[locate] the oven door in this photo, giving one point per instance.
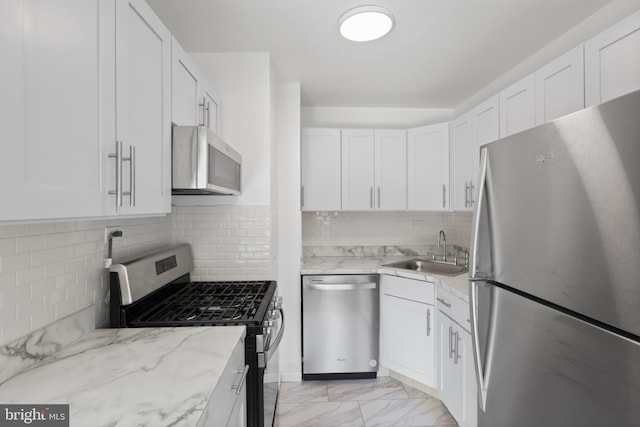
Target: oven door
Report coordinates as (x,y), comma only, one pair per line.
(271,378)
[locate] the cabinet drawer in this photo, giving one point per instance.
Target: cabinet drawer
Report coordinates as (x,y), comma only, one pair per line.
(224,396)
(410,289)
(454,307)
(463,314)
(446,301)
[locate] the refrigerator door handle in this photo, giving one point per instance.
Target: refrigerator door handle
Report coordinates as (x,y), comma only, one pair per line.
(482,387)
(473,265)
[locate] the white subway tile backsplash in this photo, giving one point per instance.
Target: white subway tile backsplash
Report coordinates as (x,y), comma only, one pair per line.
(9,263)
(225,240)
(383,228)
(51,270)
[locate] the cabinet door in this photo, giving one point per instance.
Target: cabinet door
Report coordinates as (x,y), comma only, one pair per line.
(52,85)
(517,111)
(185,88)
(210,108)
(462,163)
(320,169)
(612,61)
(428,168)
(448,372)
(143,110)
(486,121)
(409,339)
(390,170)
(469,412)
(357,169)
(559,86)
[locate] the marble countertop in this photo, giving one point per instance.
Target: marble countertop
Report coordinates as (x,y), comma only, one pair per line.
(130,377)
(374,265)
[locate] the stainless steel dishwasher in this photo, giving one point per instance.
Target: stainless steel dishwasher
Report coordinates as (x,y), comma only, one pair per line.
(340,326)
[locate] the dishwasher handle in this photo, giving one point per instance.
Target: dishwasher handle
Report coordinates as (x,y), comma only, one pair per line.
(342,286)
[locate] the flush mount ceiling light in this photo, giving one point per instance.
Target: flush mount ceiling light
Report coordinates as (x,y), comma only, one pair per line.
(365,23)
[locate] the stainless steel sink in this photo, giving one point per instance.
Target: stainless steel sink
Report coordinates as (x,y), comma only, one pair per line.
(423,265)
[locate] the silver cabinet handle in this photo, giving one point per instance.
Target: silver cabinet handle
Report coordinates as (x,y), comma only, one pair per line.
(428,322)
(119,159)
(132,175)
(471,200)
(371,197)
(456,355)
(243,378)
(444,302)
(466,194)
(378,197)
(208,114)
(302,196)
(444,195)
(202,105)
(450,343)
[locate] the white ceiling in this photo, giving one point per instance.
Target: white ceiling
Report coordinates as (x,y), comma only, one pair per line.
(439,53)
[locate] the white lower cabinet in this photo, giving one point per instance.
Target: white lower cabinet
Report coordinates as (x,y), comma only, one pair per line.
(228,403)
(407,328)
(456,374)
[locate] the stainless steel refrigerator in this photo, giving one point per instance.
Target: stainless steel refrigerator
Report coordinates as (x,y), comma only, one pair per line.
(555,273)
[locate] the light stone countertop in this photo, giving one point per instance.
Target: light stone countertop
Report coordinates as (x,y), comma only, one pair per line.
(130,377)
(374,265)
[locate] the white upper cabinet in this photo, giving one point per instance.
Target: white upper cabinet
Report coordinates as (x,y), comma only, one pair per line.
(55,83)
(193,101)
(612,61)
(485,123)
(358,165)
(320,169)
(391,170)
(462,163)
(186,80)
(428,168)
(517,111)
(559,86)
(143,108)
(210,108)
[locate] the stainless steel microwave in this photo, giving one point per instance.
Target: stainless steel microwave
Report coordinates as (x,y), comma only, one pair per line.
(202,163)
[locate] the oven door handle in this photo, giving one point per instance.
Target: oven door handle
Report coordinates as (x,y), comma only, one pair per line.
(273,346)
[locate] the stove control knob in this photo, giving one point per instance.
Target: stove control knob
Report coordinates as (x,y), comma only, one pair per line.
(269,323)
(278,303)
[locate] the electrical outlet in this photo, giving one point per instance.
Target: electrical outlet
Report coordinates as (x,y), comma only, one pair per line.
(110,229)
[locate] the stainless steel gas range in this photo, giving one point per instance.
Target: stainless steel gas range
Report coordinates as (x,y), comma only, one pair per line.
(155,290)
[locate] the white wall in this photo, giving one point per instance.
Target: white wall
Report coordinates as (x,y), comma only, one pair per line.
(402,118)
(289,224)
(243,83)
(591,26)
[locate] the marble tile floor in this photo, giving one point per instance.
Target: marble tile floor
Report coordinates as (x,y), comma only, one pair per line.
(380,402)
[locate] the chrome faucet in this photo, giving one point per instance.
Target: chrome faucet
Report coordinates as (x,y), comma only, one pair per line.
(442,241)
(443,236)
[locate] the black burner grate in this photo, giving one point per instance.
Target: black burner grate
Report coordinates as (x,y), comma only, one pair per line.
(209,303)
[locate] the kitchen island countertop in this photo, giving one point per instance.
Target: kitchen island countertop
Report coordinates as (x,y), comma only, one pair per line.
(130,377)
(375,265)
